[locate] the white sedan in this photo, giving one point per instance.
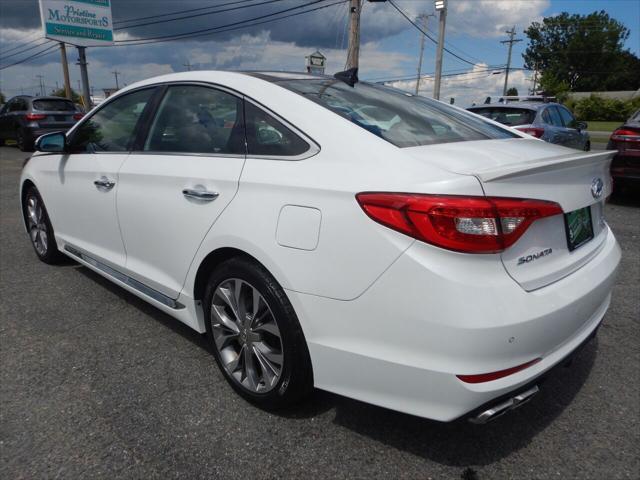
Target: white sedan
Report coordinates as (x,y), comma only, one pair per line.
(438,264)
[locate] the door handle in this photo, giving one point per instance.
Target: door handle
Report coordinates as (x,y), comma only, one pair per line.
(203,195)
(104,183)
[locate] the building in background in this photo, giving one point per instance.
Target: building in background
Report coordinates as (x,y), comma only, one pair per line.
(315,62)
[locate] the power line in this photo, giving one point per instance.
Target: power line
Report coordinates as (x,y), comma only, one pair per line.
(26,49)
(229,27)
(22,44)
(180,11)
(196,14)
(427,34)
(39,54)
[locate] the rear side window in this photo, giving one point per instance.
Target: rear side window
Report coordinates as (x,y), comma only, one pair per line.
(507,116)
(402,119)
(195,119)
(112,128)
(54,105)
(267,136)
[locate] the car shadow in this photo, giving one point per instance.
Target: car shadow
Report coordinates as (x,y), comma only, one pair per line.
(626,198)
(456,444)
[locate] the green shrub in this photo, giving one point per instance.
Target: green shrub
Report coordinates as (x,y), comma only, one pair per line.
(597,108)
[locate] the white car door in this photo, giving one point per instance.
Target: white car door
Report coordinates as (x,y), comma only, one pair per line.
(82,185)
(173,189)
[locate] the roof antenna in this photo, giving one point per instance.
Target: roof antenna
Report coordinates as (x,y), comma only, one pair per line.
(350,77)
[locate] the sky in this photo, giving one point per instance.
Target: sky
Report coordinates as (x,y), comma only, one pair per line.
(390,44)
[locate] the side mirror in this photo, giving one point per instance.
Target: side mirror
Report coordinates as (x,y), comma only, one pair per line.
(581,125)
(51,142)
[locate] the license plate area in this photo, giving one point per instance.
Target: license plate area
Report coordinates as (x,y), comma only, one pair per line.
(579,227)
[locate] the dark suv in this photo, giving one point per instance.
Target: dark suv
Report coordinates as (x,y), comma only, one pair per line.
(25,118)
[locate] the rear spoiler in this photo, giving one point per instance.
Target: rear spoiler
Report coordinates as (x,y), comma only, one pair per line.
(548,164)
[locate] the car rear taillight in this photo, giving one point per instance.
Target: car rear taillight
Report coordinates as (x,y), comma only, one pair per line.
(459,223)
(536,132)
(78,116)
(488,377)
(625,135)
(35,116)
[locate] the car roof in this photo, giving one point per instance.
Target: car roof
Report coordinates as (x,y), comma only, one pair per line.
(49,97)
(522,105)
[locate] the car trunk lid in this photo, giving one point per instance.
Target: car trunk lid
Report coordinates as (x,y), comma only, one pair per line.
(526,168)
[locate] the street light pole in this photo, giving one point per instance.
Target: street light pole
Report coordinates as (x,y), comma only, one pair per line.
(441,6)
(424,18)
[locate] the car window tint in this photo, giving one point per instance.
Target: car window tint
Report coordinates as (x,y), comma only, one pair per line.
(567,118)
(554,117)
(268,136)
(54,105)
(112,127)
(507,116)
(194,119)
(402,119)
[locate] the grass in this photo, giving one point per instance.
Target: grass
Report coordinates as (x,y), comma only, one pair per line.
(607,127)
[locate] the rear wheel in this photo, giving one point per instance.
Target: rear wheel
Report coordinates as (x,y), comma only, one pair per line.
(39,228)
(255,335)
(23,142)
(587,146)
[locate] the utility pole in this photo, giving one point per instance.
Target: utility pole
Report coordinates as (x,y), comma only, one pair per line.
(187,65)
(511,41)
(82,61)
(441,6)
(115,74)
(65,70)
(353,53)
(41,84)
(424,18)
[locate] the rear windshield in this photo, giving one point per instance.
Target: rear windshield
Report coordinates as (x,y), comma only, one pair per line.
(507,116)
(54,105)
(400,118)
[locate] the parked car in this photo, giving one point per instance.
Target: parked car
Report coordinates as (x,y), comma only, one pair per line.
(25,118)
(551,122)
(438,265)
(625,167)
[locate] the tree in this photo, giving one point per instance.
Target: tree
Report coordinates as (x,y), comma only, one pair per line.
(61,93)
(581,53)
(512,92)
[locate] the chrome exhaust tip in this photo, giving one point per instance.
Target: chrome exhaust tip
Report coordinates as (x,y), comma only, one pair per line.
(503,407)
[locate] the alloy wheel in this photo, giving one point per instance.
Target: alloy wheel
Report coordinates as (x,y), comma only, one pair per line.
(246,336)
(37,225)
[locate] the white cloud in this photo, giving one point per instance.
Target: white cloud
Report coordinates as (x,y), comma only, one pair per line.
(472,86)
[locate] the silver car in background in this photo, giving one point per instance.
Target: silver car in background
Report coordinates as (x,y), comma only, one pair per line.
(551,122)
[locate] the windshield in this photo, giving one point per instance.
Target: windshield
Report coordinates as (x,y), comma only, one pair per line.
(507,116)
(402,119)
(54,105)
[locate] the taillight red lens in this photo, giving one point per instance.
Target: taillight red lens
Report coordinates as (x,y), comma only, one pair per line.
(536,132)
(625,135)
(488,377)
(78,116)
(459,223)
(35,116)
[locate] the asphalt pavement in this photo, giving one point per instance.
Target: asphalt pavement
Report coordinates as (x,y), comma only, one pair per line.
(94,383)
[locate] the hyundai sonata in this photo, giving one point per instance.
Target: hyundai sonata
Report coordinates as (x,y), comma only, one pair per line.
(330,233)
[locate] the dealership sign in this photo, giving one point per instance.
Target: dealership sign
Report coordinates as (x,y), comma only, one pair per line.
(84,23)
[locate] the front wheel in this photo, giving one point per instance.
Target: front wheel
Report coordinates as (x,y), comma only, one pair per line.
(255,335)
(23,142)
(39,227)
(587,146)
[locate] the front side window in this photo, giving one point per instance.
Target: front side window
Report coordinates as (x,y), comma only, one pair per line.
(196,119)
(112,128)
(567,118)
(552,117)
(269,137)
(399,118)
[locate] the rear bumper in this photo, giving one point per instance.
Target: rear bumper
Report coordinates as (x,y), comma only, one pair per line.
(34,133)
(433,315)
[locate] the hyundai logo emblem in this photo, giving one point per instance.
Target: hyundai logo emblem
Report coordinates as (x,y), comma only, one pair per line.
(597,185)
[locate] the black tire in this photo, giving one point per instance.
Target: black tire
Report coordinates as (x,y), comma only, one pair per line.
(50,254)
(587,147)
(24,142)
(296,378)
